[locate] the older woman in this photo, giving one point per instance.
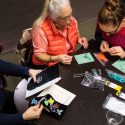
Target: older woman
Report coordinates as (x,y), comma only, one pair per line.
(55,34)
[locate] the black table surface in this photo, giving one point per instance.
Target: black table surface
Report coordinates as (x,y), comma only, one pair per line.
(86,108)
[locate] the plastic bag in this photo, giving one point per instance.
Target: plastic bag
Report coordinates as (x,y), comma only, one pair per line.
(93,81)
(114,104)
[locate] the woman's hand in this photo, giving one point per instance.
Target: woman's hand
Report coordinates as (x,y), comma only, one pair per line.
(33,73)
(104,46)
(117,51)
(33,112)
(83,41)
(65,59)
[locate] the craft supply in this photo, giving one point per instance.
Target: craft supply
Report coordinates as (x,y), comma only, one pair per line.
(114,104)
(99,71)
(101,58)
(121,94)
(94,71)
(84,58)
(92,81)
(116,76)
(120,65)
(112,85)
(55,108)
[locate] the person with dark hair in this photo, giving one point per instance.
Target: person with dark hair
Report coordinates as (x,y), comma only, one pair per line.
(7,101)
(110,30)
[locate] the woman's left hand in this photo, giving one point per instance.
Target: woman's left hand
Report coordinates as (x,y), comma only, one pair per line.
(117,51)
(83,41)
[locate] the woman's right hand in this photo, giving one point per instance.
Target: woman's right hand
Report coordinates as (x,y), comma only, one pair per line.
(104,46)
(65,59)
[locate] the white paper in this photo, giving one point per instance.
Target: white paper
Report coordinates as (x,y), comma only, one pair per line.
(113,85)
(60,94)
(122,95)
(116,105)
(40,88)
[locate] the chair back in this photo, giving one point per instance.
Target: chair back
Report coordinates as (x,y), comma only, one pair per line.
(25,51)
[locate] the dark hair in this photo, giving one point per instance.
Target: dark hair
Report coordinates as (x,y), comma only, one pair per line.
(112,12)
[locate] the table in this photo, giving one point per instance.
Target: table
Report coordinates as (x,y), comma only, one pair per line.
(86,108)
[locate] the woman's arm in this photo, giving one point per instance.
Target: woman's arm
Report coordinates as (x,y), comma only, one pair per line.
(31,113)
(11,119)
(13,69)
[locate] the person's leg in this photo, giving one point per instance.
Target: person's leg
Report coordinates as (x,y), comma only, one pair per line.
(9,106)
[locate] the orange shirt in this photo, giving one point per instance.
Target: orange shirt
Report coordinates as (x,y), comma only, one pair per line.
(39,38)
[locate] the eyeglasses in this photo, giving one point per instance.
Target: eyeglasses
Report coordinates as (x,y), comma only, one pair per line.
(114,32)
(67,18)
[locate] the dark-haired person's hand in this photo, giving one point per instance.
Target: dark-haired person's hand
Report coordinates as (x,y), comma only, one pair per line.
(104,46)
(117,51)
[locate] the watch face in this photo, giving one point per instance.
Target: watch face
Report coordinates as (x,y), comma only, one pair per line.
(44,76)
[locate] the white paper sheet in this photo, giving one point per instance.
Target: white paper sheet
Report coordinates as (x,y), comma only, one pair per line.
(60,94)
(116,105)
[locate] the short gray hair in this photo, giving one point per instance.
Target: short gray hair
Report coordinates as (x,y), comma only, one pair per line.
(56,6)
